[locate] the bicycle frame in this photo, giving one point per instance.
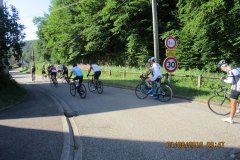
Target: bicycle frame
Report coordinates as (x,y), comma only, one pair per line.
(162,91)
(98,85)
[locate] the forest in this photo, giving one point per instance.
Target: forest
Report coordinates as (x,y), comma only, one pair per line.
(120,32)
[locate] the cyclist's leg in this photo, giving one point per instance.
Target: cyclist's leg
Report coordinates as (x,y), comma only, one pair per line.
(148,82)
(96,77)
(80,80)
(233,102)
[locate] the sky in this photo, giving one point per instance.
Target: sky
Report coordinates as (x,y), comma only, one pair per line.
(28,9)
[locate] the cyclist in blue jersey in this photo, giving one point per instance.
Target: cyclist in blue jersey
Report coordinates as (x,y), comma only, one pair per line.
(78,73)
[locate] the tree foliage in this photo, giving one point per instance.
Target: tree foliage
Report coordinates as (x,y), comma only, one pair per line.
(11,36)
(120,31)
(112,31)
(209,32)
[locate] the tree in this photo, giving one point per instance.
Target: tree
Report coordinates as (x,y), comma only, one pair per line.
(11,36)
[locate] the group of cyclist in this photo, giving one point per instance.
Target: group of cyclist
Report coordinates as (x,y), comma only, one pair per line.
(156,70)
(62,71)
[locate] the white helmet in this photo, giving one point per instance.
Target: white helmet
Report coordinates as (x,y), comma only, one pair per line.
(152,59)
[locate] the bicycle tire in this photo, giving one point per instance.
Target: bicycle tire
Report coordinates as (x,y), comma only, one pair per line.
(82,91)
(91,86)
(141,91)
(51,82)
(72,88)
(164,93)
(99,87)
(55,82)
(219,105)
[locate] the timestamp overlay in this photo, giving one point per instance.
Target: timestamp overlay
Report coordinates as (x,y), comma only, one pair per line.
(195,144)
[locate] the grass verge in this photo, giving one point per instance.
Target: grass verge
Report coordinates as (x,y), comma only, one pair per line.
(11,93)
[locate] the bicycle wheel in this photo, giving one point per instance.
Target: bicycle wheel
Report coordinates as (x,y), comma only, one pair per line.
(99,87)
(219,105)
(82,91)
(55,82)
(51,82)
(164,93)
(141,90)
(91,86)
(72,87)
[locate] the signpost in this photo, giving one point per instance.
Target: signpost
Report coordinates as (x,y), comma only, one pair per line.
(170,64)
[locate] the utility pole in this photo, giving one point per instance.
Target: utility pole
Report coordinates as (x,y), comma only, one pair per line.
(155,30)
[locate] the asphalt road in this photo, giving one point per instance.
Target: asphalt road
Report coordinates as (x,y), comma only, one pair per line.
(116,125)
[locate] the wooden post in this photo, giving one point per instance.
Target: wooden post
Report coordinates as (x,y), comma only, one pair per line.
(199,80)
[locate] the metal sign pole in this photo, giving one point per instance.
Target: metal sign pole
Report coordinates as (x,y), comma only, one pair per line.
(155,30)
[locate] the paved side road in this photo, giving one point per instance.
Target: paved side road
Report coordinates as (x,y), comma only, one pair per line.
(32,129)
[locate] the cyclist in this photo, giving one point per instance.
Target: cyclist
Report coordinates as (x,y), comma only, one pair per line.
(64,71)
(49,71)
(156,71)
(78,73)
(97,72)
(33,69)
(59,70)
(233,76)
(44,71)
(53,72)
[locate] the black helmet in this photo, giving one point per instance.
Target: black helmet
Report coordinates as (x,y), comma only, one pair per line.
(74,65)
(222,62)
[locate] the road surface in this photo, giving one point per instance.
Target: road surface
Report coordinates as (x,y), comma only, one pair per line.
(116,125)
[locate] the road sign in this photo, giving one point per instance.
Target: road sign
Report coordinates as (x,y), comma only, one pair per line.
(170,42)
(170,64)
(170,52)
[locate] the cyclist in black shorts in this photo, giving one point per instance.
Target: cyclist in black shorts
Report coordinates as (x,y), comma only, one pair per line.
(44,71)
(64,71)
(78,73)
(233,77)
(33,69)
(97,71)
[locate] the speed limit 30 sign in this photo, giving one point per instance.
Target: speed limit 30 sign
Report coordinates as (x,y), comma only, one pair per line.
(170,64)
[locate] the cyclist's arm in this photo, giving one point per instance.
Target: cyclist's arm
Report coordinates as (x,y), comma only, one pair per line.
(89,70)
(229,79)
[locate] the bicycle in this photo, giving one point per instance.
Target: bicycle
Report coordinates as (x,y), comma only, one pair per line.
(53,81)
(219,103)
(44,75)
(80,89)
(98,86)
(65,79)
(163,91)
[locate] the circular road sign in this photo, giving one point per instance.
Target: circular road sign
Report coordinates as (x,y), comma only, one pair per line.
(170,64)
(170,42)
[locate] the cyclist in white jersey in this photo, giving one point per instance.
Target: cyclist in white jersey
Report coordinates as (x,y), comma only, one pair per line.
(156,71)
(233,75)
(78,73)
(97,71)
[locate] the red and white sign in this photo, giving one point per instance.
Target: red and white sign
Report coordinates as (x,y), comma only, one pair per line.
(170,64)
(170,42)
